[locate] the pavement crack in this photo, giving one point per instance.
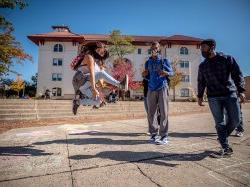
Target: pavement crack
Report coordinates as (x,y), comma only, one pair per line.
(220,173)
(145,175)
(36,176)
(117,164)
(71,173)
(95,167)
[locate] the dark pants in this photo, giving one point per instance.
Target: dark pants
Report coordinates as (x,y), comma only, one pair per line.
(231,105)
(240,127)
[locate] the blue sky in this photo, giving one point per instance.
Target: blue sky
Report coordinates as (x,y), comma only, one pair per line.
(227,21)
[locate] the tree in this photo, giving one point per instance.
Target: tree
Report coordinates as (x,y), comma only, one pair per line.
(11,50)
(34,80)
(122,69)
(119,45)
(6,81)
(30,87)
(17,85)
(176,79)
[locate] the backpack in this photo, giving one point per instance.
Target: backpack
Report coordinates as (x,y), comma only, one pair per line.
(76,62)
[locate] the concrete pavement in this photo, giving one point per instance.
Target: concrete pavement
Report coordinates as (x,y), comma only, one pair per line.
(117,153)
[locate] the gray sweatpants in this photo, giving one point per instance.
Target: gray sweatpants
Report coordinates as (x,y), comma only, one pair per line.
(160,99)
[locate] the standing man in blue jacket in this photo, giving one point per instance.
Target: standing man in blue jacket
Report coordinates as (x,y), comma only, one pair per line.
(159,70)
(224,81)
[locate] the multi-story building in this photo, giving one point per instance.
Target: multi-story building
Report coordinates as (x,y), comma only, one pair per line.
(247,80)
(58,48)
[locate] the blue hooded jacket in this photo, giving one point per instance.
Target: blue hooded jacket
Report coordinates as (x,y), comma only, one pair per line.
(154,67)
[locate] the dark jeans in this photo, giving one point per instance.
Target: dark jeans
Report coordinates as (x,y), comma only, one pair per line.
(240,127)
(231,105)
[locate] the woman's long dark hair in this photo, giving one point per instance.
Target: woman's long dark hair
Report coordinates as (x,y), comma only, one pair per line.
(90,48)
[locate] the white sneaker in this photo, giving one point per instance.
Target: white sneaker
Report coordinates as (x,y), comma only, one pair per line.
(154,138)
(162,141)
(239,134)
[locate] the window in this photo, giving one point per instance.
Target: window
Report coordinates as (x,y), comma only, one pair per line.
(57,91)
(185,78)
(57,62)
(184,92)
(139,51)
(184,64)
(56,77)
(149,51)
(184,51)
(58,48)
(59,77)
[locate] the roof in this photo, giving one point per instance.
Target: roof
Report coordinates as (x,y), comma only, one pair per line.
(67,35)
(135,39)
(181,39)
(56,36)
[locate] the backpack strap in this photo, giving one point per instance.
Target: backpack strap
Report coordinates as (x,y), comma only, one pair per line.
(162,65)
(146,65)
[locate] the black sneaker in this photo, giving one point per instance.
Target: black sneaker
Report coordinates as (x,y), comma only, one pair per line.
(103,104)
(78,94)
(95,107)
(224,153)
(124,83)
(75,106)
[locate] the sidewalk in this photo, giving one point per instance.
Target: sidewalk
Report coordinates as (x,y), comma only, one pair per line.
(117,153)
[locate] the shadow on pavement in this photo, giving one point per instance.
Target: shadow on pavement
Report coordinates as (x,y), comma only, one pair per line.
(97,133)
(171,134)
(109,141)
(86,141)
(21,151)
(156,158)
(192,134)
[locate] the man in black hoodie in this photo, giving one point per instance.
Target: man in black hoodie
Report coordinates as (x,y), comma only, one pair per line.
(222,77)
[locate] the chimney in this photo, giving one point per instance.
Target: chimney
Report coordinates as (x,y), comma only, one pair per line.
(60,28)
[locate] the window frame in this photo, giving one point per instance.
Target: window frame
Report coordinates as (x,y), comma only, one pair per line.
(59,78)
(185,78)
(184,92)
(54,77)
(183,51)
(184,64)
(139,51)
(58,48)
(55,61)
